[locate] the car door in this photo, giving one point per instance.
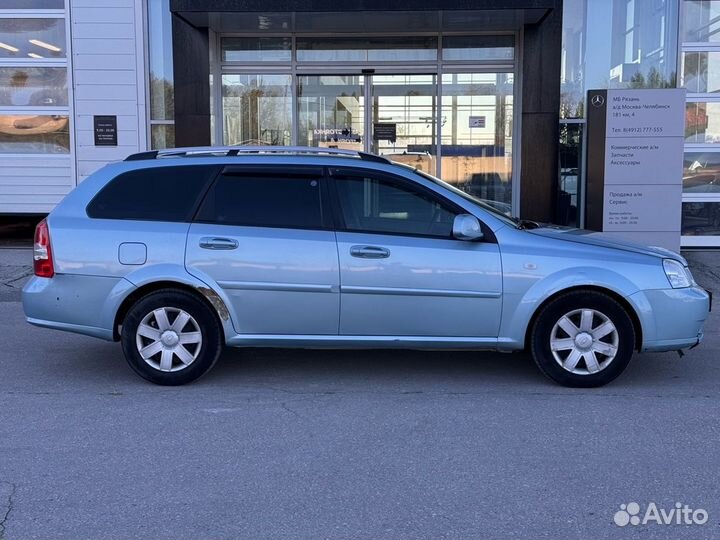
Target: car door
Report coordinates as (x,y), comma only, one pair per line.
(401,271)
(263,235)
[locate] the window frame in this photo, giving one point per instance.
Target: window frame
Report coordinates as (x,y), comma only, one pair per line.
(402,182)
(326,213)
(188,218)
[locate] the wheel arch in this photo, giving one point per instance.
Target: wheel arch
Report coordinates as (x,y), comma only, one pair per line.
(203,293)
(627,306)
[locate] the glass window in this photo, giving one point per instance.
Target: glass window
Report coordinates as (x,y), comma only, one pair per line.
(33,4)
(616,44)
(270,200)
(478,48)
(701,20)
(404,115)
(257,49)
(32,38)
(570,170)
(377,49)
(701,72)
(162,95)
(379,205)
(477,113)
(162,136)
(331,111)
(152,194)
(701,218)
(34,134)
(257,109)
(701,172)
(33,86)
(702,122)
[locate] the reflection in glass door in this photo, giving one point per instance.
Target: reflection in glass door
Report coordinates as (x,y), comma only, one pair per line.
(404,119)
(257,109)
(331,111)
(477,113)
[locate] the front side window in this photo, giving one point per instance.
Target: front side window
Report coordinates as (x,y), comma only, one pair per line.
(265,200)
(382,205)
(153,194)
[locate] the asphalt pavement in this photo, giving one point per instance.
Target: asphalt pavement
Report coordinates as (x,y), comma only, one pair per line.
(281,444)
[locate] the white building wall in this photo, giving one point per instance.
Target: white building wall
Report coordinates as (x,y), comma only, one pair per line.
(34,184)
(108,63)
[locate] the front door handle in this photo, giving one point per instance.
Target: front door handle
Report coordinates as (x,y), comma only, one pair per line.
(369,252)
(213,242)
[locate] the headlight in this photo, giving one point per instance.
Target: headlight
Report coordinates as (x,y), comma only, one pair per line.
(678,275)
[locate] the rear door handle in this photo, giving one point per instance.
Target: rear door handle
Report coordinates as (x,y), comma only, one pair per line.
(213,242)
(369,252)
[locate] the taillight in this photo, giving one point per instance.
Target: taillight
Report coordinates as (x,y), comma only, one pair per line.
(42,251)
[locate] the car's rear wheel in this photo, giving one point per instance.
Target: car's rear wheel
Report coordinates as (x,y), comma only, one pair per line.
(582,339)
(170,337)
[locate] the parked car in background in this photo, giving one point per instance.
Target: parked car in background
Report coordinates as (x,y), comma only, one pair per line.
(178,253)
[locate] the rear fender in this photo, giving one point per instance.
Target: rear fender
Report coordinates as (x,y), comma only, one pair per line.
(202,283)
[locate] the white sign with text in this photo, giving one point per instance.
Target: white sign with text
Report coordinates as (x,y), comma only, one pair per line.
(643,165)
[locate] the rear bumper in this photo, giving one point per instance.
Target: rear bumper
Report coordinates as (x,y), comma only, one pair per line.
(102,333)
(672,319)
(73,303)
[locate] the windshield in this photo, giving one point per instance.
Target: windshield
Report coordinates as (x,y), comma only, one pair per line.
(502,216)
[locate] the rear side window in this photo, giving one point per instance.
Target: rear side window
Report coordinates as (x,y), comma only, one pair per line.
(264,200)
(153,194)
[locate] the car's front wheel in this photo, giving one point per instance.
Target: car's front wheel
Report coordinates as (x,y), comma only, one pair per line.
(170,337)
(582,339)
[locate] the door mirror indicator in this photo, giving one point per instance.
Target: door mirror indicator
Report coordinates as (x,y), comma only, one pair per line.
(467,227)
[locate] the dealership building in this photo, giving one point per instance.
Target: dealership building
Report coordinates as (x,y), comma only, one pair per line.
(490,95)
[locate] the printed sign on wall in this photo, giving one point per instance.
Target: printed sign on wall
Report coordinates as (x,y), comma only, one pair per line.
(476,121)
(105,128)
(634,164)
(384,132)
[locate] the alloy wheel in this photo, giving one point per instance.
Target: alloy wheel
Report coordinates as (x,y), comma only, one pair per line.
(584,341)
(168,339)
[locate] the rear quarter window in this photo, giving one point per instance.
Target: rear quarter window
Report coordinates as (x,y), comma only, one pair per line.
(264,200)
(153,194)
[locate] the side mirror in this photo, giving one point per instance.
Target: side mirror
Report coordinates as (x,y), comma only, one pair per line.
(467,227)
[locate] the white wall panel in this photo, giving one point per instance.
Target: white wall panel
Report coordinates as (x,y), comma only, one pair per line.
(32,184)
(108,59)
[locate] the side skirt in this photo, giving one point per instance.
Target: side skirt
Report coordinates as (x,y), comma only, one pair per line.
(372,342)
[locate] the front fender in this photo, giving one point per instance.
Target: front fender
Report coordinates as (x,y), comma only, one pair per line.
(523,295)
(202,283)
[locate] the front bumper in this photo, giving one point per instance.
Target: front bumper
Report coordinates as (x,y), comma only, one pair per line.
(672,319)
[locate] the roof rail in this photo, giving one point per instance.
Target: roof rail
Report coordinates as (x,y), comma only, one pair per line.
(205,151)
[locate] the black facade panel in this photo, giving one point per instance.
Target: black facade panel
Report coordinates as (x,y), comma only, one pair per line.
(191,71)
(354,5)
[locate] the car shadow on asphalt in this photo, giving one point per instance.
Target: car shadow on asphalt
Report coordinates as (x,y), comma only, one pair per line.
(394,368)
(379,364)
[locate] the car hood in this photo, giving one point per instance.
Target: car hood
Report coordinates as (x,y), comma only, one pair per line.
(592,238)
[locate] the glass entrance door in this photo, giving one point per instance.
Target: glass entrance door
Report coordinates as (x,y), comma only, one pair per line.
(331,111)
(477,135)
(404,119)
(461,131)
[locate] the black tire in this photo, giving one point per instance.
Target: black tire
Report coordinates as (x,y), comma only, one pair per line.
(553,312)
(206,353)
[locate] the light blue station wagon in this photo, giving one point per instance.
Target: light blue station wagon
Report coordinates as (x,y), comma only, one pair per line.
(176,253)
